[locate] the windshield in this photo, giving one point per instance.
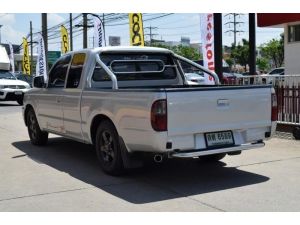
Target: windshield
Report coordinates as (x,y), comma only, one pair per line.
(6,75)
(276,71)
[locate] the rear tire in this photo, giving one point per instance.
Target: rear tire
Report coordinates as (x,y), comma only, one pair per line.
(212,158)
(37,136)
(108,149)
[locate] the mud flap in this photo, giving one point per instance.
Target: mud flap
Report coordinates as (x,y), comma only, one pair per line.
(130,160)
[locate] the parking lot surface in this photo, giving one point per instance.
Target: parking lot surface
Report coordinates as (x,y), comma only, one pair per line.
(65,176)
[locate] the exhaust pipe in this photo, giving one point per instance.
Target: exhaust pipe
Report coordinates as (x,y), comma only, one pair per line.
(158,158)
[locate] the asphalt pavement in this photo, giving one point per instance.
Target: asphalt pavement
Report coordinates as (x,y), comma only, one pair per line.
(65,176)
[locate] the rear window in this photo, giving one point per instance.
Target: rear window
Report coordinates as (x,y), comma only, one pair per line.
(136,66)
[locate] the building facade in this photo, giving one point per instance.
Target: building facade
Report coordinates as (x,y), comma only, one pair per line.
(291,24)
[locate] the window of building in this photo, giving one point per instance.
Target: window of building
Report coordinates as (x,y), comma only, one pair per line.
(294,33)
(57,75)
(75,70)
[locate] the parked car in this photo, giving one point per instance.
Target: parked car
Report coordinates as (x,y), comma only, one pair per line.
(195,78)
(229,78)
(132,101)
(24,77)
(12,89)
(277,71)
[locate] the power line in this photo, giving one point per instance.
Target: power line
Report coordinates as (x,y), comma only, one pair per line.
(235,22)
(150,34)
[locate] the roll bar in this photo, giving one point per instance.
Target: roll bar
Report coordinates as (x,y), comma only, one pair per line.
(109,72)
(115,81)
(217,81)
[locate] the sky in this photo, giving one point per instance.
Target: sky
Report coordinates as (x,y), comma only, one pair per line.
(168,27)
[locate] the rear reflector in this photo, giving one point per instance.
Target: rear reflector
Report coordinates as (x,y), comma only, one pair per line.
(274,107)
(159,115)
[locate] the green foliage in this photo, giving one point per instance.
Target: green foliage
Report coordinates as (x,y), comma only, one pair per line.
(262,64)
(230,62)
(185,51)
(240,53)
(274,50)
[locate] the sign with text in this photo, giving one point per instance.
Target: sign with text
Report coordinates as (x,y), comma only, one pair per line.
(136,29)
(207,37)
(64,40)
(25,60)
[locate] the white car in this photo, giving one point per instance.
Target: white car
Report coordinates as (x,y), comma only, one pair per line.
(12,89)
(194,78)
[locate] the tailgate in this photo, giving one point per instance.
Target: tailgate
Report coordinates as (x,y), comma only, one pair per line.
(199,110)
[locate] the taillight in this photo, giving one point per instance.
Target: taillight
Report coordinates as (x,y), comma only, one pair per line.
(159,119)
(274,107)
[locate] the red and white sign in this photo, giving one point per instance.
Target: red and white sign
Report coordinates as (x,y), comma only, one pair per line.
(208,50)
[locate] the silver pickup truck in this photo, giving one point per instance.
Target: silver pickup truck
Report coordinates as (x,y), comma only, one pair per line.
(129,101)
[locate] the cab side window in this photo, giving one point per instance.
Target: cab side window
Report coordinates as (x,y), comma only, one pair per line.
(75,70)
(58,74)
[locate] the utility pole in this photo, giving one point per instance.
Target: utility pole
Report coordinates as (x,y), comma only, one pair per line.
(235,23)
(71,32)
(45,36)
(84,30)
(151,34)
(31,48)
(218,45)
(252,44)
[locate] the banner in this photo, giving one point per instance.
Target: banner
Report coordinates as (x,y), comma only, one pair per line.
(41,67)
(11,57)
(26,60)
(136,29)
(98,32)
(64,40)
(208,50)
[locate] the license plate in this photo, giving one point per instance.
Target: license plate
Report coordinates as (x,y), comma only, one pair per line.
(18,92)
(219,138)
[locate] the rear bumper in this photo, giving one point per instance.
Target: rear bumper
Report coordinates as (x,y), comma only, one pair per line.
(197,153)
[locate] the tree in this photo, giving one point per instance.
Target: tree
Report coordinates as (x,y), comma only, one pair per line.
(274,50)
(262,64)
(185,51)
(240,53)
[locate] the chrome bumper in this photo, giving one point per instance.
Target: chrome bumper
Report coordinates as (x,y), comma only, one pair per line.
(197,153)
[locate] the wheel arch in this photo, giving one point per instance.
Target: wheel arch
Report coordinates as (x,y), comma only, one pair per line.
(97,119)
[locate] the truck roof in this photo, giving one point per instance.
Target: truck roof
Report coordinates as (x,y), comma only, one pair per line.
(125,49)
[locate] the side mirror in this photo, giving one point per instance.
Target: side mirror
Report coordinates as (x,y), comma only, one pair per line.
(38,82)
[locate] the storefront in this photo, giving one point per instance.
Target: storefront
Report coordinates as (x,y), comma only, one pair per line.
(291,24)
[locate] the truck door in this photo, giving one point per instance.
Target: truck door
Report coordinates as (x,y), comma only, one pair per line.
(72,97)
(50,102)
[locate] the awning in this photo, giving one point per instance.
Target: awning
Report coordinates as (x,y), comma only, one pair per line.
(273,19)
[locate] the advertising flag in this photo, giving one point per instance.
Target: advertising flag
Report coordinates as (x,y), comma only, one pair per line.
(136,29)
(11,57)
(207,37)
(41,69)
(98,32)
(64,40)
(26,60)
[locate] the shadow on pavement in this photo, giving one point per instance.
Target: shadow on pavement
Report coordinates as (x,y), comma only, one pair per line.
(169,180)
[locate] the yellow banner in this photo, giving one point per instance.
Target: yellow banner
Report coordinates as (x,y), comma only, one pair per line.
(64,40)
(136,29)
(26,60)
